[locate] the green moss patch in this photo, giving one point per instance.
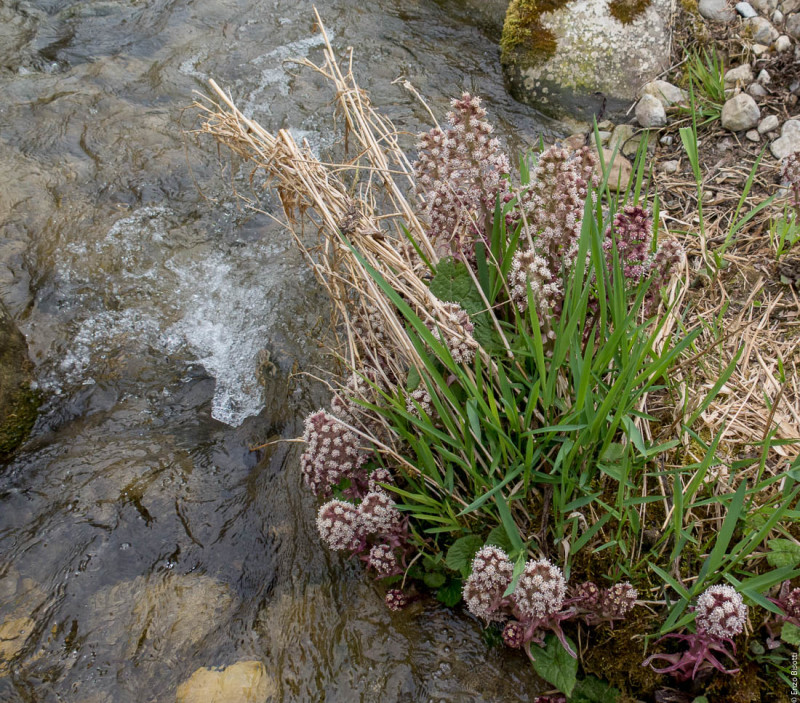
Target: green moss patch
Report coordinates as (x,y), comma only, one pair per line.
(18,421)
(526,41)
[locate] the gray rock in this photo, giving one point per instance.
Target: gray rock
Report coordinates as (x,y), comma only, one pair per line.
(756,90)
(14,633)
(669,166)
(769,123)
(783,43)
(667,140)
(604,136)
(621,136)
(650,112)
(740,112)
(753,136)
(793,26)
(761,30)
(745,9)
(741,74)
(606,126)
(667,93)
(788,142)
(716,10)
(789,6)
(597,61)
(759,49)
(763,77)
(765,7)
(777,17)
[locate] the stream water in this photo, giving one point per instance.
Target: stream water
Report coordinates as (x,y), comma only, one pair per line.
(140,538)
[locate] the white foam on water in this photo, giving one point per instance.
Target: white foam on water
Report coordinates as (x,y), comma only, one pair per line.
(212,302)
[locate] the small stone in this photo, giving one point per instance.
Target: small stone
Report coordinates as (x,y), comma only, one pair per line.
(793,25)
(13,635)
(619,174)
(753,136)
(783,43)
(761,30)
(745,9)
(620,136)
(650,112)
(769,123)
(575,141)
(739,113)
(669,166)
(763,77)
(777,17)
(716,10)
(789,6)
(764,6)
(666,93)
(243,682)
(604,136)
(667,140)
(756,90)
(606,126)
(759,49)
(788,142)
(741,74)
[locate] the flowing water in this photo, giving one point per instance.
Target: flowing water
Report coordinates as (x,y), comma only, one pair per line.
(140,538)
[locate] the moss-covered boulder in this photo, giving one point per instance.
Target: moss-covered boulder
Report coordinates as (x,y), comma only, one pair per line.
(18,403)
(584,58)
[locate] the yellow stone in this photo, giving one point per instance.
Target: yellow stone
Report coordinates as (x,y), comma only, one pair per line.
(243,682)
(13,635)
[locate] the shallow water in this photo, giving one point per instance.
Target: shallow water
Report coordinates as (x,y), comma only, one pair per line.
(140,538)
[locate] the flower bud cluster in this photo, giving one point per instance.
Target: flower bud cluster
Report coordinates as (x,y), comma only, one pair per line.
(378,514)
(383,559)
(332,453)
(632,230)
(552,208)
(337,522)
(483,591)
(456,332)
(720,612)
(617,601)
(459,173)
(369,326)
(396,599)
(541,589)
(791,175)
(423,399)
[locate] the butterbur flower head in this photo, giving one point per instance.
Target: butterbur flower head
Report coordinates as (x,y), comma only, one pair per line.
(378,477)
(383,559)
(337,522)
(456,332)
(792,603)
(491,573)
(587,593)
(633,231)
(514,634)
(720,612)
(378,514)
(541,589)
(422,398)
(396,599)
(616,602)
(331,455)
(791,169)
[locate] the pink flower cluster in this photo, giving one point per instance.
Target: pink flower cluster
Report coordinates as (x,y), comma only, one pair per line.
(538,602)
(720,615)
(791,175)
(459,173)
(332,453)
(552,211)
(456,332)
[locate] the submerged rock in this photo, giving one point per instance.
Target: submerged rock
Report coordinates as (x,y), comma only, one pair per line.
(18,403)
(243,682)
(13,635)
(585,58)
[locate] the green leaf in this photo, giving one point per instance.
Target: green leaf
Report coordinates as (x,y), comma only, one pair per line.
(461,552)
(453,283)
(783,552)
(413,380)
(555,665)
(434,579)
(450,593)
(499,538)
(593,690)
(790,634)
